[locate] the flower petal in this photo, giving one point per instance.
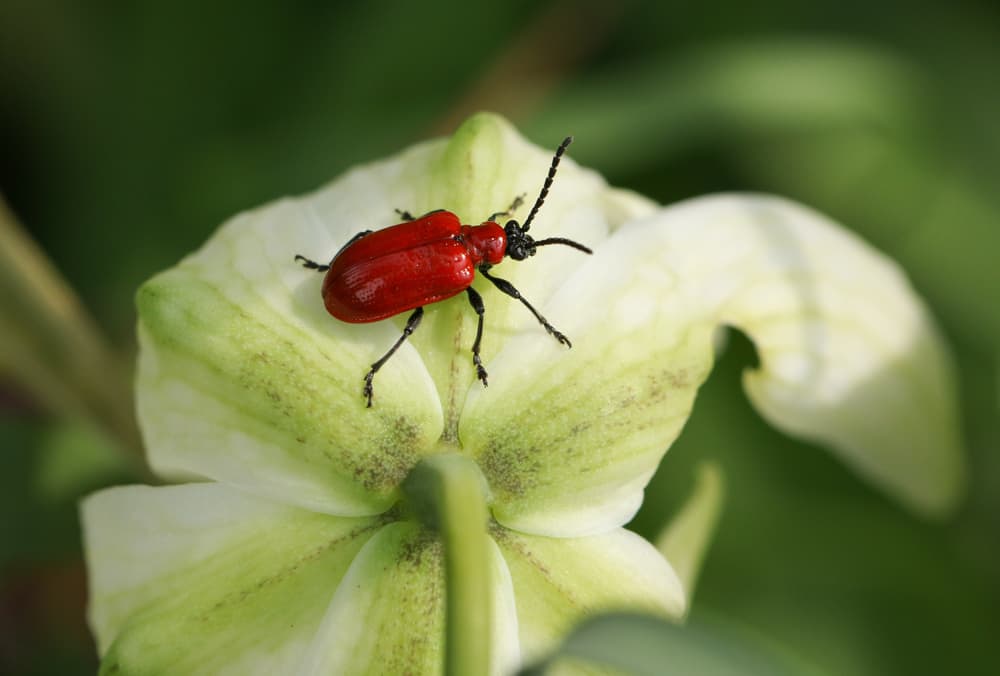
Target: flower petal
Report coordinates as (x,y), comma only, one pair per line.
(559,581)
(568,440)
(685,540)
(849,357)
(244,377)
(204,579)
(388,614)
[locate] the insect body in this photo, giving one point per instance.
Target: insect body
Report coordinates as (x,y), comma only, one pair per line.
(424,260)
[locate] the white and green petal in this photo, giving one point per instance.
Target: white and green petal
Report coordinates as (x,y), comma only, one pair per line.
(559,581)
(849,357)
(205,579)
(388,615)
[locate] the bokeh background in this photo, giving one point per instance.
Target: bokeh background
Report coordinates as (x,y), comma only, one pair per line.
(129,130)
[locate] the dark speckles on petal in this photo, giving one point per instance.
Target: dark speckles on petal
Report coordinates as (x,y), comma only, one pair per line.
(413,551)
(510,469)
(595,422)
(509,541)
(268,390)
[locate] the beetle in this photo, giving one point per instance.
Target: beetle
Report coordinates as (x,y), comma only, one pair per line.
(379,274)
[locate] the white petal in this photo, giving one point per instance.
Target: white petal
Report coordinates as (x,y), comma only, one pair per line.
(849,357)
(506,640)
(204,579)
(388,614)
(244,377)
(559,581)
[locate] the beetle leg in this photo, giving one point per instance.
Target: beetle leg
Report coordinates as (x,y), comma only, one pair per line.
(311,265)
(477,304)
(407,216)
(319,267)
(509,289)
(411,326)
(351,241)
(518,201)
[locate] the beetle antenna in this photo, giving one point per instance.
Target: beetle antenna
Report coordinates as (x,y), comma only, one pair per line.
(563,240)
(548,181)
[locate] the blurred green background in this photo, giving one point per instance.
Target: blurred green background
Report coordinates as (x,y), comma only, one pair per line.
(129,130)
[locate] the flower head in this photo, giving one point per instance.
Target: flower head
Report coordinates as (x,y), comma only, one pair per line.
(297,552)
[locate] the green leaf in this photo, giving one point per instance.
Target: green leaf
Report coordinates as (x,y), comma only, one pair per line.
(642,645)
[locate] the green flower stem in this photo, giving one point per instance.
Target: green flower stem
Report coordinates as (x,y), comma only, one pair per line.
(53,348)
(446,492)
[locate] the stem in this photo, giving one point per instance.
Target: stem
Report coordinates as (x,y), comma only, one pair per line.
(447,494)
(536,60)
(53,348)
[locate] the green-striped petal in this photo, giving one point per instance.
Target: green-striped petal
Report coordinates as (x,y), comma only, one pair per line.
(204,579)
(559,581)
(388,614)
(849,357)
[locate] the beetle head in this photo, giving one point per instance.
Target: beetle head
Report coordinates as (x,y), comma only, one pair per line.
(521,245)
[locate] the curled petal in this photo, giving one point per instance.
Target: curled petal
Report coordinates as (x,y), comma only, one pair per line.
(849,357)
(201,578)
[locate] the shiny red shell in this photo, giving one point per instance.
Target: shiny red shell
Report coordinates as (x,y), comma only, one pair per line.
(405,266)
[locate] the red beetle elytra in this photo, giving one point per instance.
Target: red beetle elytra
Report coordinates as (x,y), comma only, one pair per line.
(425,260)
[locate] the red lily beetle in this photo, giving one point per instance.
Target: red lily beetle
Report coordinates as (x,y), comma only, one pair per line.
(424,260)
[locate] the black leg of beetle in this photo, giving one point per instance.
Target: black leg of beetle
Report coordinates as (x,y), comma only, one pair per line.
(351,241)
(411,325)
(509,289)
(311,265)
(518,201)
(407,216)
(319,267)
(477,304)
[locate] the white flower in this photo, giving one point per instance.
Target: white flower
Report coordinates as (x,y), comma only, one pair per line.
(295,554)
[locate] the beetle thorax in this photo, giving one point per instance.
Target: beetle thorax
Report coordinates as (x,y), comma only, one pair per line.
(487,242)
